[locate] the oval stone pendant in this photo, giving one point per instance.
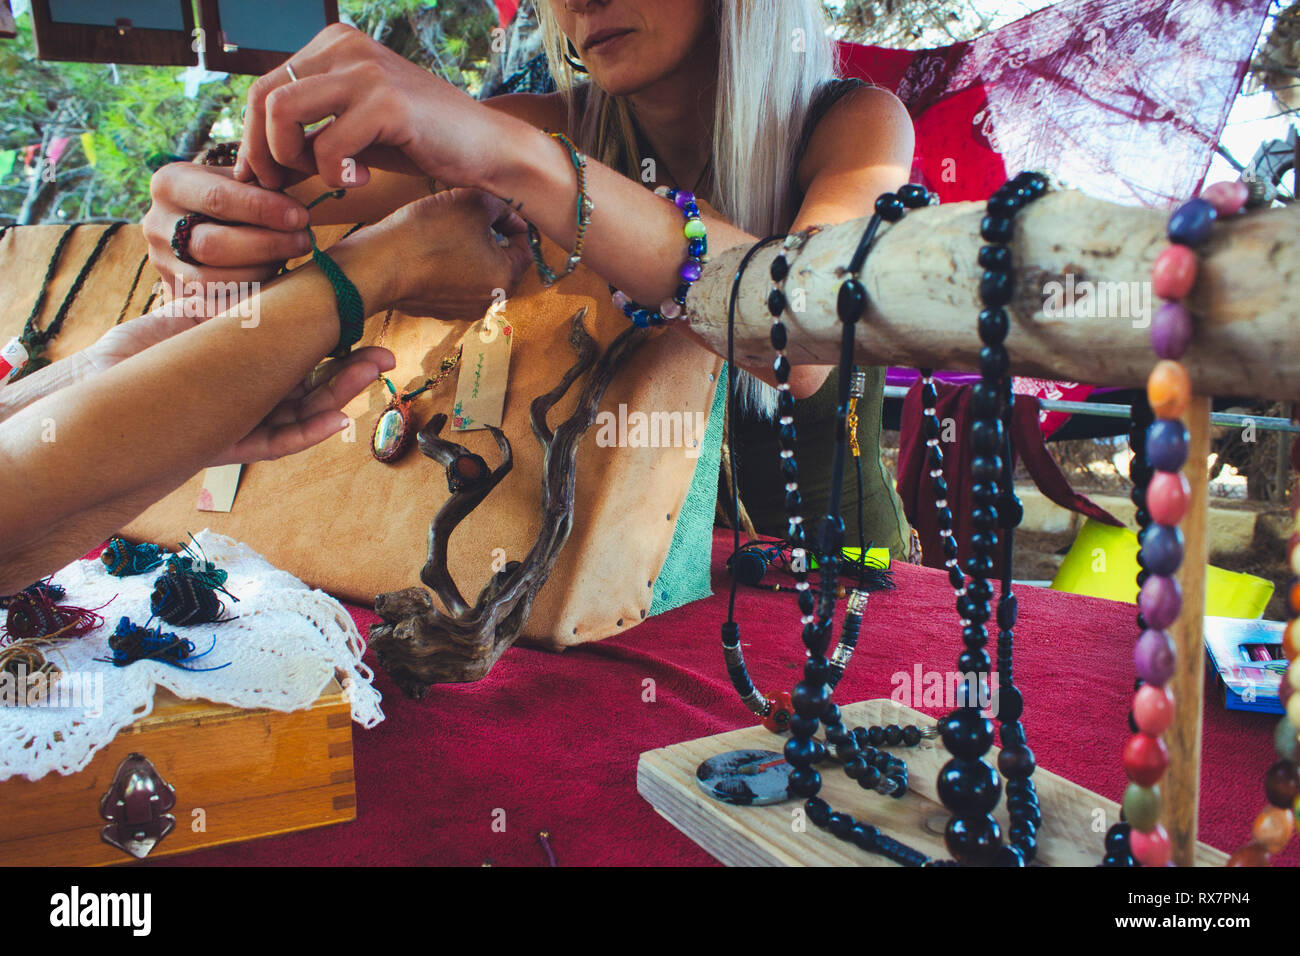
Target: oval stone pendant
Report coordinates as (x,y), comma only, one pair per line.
(392,434)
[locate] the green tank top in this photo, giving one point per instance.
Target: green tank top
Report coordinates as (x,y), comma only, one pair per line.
(762,488)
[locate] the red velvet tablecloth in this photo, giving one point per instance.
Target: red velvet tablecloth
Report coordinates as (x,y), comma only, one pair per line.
(550,741)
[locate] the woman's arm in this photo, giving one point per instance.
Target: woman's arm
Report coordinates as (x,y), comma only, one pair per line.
(390,114)
(860,149)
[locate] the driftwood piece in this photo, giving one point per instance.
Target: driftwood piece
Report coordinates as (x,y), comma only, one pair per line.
(421,645)
(922,282)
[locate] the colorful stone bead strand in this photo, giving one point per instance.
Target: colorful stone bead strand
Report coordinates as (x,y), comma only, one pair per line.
(968,786)
(1169,391)
(697,248)
(1276,823)
(1118,850)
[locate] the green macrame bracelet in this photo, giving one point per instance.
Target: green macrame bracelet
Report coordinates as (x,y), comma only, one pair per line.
(352,312)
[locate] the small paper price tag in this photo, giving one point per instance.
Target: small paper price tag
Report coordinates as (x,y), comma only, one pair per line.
(484,370)
(219,486)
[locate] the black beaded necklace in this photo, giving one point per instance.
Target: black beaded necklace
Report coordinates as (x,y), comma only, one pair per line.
(811,698)
(774,712)
(968,786)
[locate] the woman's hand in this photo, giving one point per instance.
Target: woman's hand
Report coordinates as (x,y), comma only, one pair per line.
(309,414)
(271,226)
(386,112)
(453,255)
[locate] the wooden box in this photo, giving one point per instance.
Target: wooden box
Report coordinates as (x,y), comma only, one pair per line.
(237,775)
(1074,819)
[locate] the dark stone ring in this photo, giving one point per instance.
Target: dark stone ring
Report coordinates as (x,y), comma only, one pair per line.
(181,235)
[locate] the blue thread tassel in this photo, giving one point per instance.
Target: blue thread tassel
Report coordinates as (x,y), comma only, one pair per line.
(130,643)
(123,559)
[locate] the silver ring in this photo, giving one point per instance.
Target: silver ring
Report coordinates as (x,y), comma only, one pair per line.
(293,77)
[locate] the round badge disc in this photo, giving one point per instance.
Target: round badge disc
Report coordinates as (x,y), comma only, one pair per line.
(745,778)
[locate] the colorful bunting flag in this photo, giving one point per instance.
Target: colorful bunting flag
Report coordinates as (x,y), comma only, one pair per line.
(506,10)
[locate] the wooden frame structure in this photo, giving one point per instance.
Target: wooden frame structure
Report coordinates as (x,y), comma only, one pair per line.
(8,29)
(246,59)
(922,284)
(122,43)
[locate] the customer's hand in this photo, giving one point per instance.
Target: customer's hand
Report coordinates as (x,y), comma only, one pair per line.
(260,228)
(309,413)
(452,255)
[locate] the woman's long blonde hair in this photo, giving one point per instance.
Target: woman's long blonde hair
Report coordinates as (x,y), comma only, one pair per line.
(773,54)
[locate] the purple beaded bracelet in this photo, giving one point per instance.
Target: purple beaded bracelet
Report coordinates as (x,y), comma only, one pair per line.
(696,251)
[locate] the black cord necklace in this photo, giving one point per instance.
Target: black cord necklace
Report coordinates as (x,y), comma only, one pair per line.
(774,712)
(812,697)
(35,340)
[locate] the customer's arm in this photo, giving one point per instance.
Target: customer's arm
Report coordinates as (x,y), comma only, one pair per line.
(125,436)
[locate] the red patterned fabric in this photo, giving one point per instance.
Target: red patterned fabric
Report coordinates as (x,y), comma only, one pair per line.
(915,487)
(1088,90)
(1091,91)
(1039,388)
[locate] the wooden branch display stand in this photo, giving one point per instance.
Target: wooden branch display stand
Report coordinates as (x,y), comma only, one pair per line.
(766,835)
(921,310)
(236,775)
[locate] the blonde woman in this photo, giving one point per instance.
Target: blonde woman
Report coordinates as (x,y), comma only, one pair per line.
(731,99)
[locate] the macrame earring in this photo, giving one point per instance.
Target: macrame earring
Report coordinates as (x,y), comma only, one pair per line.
(571,57)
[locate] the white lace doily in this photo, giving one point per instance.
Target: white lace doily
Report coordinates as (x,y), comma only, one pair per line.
(284,646)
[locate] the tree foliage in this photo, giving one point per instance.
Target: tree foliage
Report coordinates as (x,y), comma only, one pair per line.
(136,117)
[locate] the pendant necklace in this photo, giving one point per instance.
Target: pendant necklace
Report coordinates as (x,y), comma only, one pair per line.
(393,432)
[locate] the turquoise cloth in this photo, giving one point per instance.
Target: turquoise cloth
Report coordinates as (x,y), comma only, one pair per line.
(685,575)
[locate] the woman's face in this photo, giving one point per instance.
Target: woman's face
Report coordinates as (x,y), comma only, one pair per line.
(626,45)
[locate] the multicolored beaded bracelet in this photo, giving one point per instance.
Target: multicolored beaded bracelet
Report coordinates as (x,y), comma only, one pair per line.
(1169,390)
(584,207)
(697,247)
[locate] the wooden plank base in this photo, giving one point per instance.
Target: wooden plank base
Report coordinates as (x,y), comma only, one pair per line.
(1074,819)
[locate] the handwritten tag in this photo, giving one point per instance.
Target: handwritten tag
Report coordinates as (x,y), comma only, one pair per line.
(484,370)
(219,486)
